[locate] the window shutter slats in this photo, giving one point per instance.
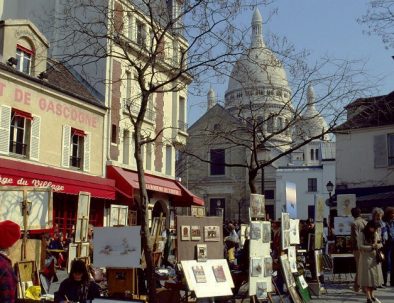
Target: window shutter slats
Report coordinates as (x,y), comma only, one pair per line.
(66,146)
(86,152)
(5,125)
(380,151)
(35,138)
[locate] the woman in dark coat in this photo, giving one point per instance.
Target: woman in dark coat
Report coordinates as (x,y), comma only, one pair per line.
(77,287)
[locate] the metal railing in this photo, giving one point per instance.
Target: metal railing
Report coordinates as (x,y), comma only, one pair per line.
(18,148)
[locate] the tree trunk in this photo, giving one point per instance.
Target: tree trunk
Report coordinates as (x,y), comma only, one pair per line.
(252,180)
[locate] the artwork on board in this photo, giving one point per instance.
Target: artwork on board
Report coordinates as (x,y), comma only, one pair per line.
(291,252)
(303,282)
(218,272)
(291,199)
(345,203)
(294,231)
(319,262)
(266,232)
(268,270)
(342,225)
(318,235)
(343,244)
(319,208)
(261,290)
(285,221)
(289,279)
(285,239)
(257,267)
(257,206)
(212,233)
(255,231)
(185,232)
(244,231)
(202,252)
(117,246)
(195,233)
(198,211)
(199,274)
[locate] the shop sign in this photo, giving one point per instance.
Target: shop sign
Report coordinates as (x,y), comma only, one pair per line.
(20,181)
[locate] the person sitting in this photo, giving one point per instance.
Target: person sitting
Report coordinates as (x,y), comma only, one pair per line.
(78,287)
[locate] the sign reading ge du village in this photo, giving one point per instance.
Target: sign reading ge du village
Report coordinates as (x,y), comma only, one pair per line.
(54,107)
(20,181)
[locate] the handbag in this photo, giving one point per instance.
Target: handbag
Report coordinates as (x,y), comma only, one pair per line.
(379,256)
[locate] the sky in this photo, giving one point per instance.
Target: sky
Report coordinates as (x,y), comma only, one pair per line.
(324,27)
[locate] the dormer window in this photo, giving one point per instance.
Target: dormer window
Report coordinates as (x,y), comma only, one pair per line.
(24,59)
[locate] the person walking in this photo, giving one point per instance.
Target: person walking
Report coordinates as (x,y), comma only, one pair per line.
(369,269)
(389,246)
(356,228)
(10,233)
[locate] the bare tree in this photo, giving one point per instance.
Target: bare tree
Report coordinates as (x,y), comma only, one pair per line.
(380,20)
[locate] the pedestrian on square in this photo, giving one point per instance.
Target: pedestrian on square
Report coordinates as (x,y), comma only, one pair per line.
(369,270)
(10,233)
(389,246)
(78,287)
(356,228)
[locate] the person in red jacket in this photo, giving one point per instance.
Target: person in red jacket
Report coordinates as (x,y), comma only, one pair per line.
(10,233)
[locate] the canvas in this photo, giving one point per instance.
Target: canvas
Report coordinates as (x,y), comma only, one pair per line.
(345,203)
(285,239)
(211,233)
(342,225)
(218,272)
(285,221)
(185,232)
(199,274)
(255,231)
(266,228)
(202,252)
(319,208)
(268,267)
(118,215)
(257,206)
(85,249)
(81,229)
(195,233)
(261,290)
(257,267)
(294,231)
(318,235)
(72,254)
(118,247)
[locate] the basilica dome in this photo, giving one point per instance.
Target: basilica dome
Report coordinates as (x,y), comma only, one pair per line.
(257,73)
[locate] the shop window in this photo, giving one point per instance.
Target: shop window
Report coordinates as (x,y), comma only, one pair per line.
(217,167)
(312,185)
(20,132)
(77,144)
(24,59)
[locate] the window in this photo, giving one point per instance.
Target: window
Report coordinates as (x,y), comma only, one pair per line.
(217,162)
(77,144)
(181,115)
(312,184)
(390,143)
(113,134)
(270,124)
(130,26)
(148,158)
(317,154)
(128,87)
(312,154)
(168,160)
(140,33)
(269,194)
(20,132)
(24,58)
(126,146)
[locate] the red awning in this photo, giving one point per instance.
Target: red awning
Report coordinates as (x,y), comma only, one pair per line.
(77,132)
(21,113)
(18,173)
(127,182)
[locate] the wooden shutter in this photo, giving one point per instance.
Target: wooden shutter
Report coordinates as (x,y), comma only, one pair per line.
(380,151)
(86,152)
(35,138)
(66,146)
(5,125)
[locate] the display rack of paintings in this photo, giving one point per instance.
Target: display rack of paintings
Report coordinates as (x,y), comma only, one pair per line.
(342,225)
(345,203)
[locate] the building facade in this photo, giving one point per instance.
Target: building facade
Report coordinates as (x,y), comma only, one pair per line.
(51,127)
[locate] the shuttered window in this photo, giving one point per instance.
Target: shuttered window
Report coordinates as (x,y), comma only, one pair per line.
(380,151)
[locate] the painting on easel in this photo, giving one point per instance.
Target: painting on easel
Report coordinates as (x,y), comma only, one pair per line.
(81,229)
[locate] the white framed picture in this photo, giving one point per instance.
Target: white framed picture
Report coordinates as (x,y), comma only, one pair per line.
(185,232)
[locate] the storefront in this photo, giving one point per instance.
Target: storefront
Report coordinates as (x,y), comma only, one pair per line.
(66,186)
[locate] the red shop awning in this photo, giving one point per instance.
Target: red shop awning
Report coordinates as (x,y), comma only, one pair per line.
(127,183)
(18,173)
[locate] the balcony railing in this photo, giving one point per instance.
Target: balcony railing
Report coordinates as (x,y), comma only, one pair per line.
(135,109)
(182,125)
(75,162)
(18,148)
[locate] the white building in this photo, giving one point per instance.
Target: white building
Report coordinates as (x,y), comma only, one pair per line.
(365,152)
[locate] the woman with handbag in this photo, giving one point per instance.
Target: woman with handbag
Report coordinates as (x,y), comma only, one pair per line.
(369,269)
